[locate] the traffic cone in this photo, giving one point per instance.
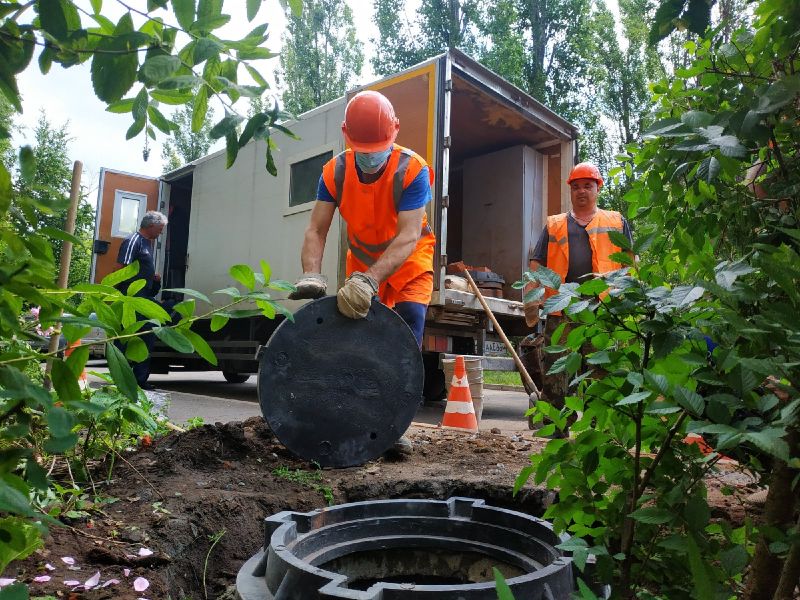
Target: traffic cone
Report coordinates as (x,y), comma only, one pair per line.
(459,413)
(83,380)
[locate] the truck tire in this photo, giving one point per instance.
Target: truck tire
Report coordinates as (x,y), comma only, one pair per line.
(234,377)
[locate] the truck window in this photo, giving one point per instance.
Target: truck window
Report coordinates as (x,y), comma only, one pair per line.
(304,177)
(129,208)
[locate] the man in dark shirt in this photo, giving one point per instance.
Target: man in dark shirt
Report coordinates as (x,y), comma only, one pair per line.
(139,247)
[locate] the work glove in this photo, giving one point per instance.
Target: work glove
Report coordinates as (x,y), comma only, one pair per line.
(355,297)
(309,286)
(532,313)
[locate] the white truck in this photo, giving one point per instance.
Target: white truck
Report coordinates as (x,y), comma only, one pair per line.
(500,160)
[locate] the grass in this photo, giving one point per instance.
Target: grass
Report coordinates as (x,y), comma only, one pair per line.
(311,479)
(502,377)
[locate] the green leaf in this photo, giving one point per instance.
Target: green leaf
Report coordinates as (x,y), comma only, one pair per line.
(201,346)
(139,110)
(734,560)
(266,270)
(297,7)
(700,575)
(771,441)
(135,129)
(698,16)
(503,591)
(547,277)
(180,82)
(160,121)
(190,293)
(557,303)
(634,398)
(135,287)
(184,12)
(159,67)
(199,108)
(65,382)
(149,309)
(257,77)
(16,591)
(218,322)
(619,239)
(175,339)
(97,6)
(171,97)
(13,501)
(689,400)
(76,361)
(225,126)
(115,65)
(60,422)
(136,349)
(121,106)
(696,118)
(652,515)
(121,373)
(252,9)
(27,164)
(231,148)
(59,18)
(59,234)
(185,308)
(204,49)
(244,275)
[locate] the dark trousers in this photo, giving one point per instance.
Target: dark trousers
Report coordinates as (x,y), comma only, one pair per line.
(141,370)
(413,314)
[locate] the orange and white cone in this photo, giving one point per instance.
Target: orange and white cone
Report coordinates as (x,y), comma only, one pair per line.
(83,380)
(460,413)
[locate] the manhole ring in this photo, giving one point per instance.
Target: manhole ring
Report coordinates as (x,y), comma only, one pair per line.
(398,549)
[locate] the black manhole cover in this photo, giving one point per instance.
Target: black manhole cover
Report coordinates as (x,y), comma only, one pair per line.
(398,549)
(340,391)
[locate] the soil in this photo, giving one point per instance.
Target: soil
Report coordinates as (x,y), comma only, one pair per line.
(175,495)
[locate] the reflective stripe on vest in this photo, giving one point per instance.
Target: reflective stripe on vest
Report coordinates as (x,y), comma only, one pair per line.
(601,245)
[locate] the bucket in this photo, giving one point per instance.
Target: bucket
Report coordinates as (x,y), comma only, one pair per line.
(474,368)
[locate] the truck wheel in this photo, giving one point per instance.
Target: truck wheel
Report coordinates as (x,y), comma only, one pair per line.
(234,377)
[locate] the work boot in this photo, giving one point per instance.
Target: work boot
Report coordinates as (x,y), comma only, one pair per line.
(403,446)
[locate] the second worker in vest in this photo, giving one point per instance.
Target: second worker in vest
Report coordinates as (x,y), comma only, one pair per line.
(576,245)
(381,190)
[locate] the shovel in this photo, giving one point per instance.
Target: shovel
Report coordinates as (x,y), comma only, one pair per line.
(530,388)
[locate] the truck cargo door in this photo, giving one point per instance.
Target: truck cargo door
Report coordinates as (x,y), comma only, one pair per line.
(122,200)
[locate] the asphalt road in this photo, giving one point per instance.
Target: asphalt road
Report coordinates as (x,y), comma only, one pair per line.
(209,396)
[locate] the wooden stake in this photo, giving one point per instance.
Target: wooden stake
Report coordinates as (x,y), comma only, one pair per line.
(66,258)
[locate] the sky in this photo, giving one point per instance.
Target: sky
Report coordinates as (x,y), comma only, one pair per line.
(98,137)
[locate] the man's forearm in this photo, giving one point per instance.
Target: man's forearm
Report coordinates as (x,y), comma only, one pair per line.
(392,258)
(311,254)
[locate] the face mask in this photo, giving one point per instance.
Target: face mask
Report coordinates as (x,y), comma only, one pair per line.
(371,162)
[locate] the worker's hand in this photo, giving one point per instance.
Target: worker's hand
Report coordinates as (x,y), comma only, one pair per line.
(532,313)
(309,286)
(157,277)
(355,297)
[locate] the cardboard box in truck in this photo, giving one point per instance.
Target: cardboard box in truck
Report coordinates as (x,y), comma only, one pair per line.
(500,160)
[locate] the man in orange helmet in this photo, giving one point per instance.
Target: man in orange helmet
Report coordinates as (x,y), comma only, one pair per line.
(381,190)
(576,245)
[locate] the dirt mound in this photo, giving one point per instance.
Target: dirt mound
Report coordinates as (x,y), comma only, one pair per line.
(197,500)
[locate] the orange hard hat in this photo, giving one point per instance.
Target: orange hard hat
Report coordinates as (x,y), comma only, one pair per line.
(370,124)
(585,170)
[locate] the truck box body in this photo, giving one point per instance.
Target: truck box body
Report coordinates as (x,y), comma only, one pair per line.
(500,161)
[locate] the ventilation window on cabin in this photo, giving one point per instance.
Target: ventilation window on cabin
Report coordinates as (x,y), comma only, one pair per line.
(129,208)
(304,178)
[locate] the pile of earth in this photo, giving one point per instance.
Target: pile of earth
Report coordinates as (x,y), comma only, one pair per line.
(184,513)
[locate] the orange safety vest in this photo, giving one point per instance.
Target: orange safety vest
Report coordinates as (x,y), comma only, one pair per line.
(597,230)
(370,212)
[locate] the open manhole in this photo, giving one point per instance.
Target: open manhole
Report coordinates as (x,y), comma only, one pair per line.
(396,549)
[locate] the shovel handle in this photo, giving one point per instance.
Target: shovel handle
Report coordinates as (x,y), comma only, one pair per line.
(530,387)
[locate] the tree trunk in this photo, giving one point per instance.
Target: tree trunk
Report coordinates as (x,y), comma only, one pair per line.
(779,513)
(790,577)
